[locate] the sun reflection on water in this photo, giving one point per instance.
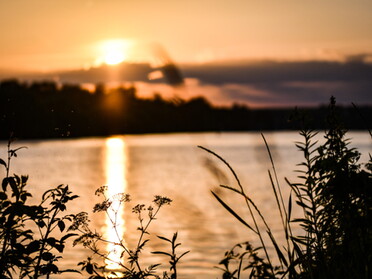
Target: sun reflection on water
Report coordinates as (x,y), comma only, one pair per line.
(116,163)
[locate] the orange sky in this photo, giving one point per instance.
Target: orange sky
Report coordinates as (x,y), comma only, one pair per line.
(60,34)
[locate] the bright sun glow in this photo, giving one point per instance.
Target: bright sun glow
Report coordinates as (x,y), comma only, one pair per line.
(113,52)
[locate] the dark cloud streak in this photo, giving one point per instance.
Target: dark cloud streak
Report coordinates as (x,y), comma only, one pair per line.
(256,84)
(308,83)
(276,72)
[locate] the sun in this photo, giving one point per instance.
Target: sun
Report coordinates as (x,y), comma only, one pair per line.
(113,52)
(114,57)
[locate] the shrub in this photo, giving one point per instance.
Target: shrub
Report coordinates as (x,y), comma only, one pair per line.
(335,194)
(29,247)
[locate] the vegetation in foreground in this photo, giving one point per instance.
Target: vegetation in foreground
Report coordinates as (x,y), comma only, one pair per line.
(335,195)
(30,245)
(33,237)
(122,261)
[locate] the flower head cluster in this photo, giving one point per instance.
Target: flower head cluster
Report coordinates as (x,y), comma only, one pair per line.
(138,208)
(101,190)
(159,200)
(80,220)
(87,239)
(121,197)
(103,206)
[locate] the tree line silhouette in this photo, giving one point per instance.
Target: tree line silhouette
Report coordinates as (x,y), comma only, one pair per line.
(49,110)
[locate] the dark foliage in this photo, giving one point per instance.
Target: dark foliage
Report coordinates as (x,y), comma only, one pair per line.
(46,110)
(29,247)
(335,195)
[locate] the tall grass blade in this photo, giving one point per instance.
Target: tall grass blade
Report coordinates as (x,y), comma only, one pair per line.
(277,249)
(224,161)
(280,206)
(232,189)
(232,212)
(257,230)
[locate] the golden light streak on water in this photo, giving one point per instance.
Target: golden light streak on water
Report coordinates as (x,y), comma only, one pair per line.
(116,162)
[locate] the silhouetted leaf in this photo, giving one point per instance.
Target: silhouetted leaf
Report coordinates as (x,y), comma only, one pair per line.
(47,256)
(3,196)
(183,254)
(69,270)
(51,241)
(41,223)
(33,246)
(289,207)
(61,225)
(4,184)
(161,253)
(164,238)
(68,236)
(59,247)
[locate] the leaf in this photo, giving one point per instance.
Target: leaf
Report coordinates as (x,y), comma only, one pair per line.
(153,266)
(74,197)
(51,241)
(299,240)
(2,162)
(49,268)
(289,207)
(13,185)
(17,179)
(69,270)
(5,184)
(67,236)
(89,268)
(297,249)
(174,237)
(228,208)
(33,246)
(59,247)
(61,225)
(183,254)
(3,196)
(41,223)
(161,253)
(164,238)
(46,256)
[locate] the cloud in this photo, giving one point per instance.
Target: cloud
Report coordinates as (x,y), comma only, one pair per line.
(256,84)
(286,94)
(283,84)
(276,72)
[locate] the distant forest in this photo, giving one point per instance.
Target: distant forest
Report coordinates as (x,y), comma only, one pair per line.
(47,110)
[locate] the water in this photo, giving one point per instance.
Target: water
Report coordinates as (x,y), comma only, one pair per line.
(171,165)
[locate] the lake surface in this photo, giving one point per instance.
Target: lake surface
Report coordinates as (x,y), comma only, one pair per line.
(170,165)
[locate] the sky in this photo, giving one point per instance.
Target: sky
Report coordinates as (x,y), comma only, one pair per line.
(200,36)
(61,34)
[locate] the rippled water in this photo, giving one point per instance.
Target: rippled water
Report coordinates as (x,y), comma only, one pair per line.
(170,165)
